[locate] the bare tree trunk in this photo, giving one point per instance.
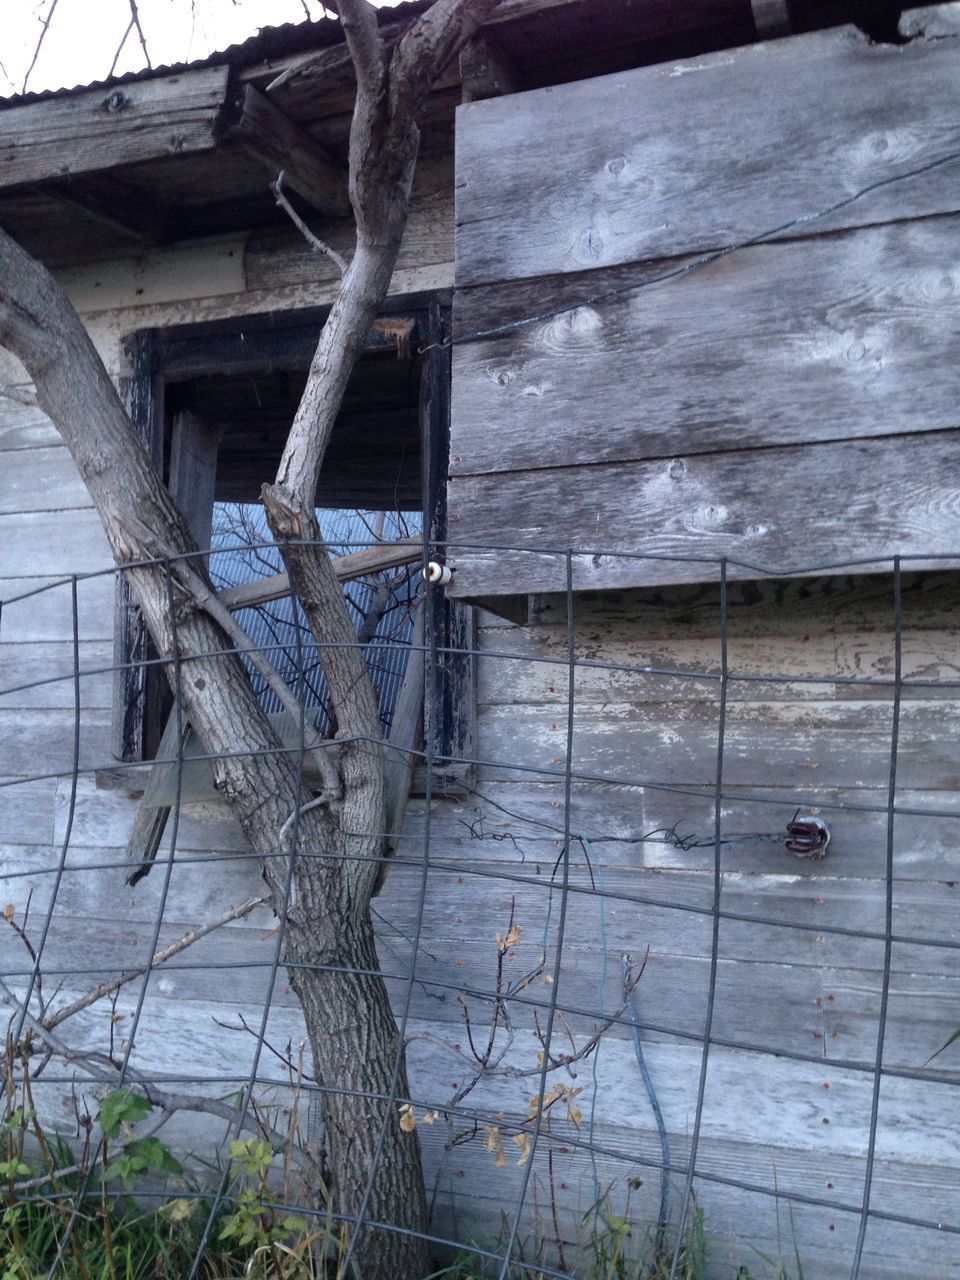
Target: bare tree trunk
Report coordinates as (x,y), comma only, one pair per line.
(328,935)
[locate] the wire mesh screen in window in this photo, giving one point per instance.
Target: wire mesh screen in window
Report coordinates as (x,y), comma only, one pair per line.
(381,605)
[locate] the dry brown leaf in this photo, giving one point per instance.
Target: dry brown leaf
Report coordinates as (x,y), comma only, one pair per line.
(523,1142)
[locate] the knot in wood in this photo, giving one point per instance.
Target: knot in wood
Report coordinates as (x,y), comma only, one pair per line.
(117,101)
(285,520)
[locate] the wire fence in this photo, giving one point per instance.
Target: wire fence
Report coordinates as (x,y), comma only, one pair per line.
(606,1011)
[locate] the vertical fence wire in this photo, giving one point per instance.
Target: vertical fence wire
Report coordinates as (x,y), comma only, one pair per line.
(887,918)
(71,814)
(547,1039)
(715,926)
(76,1208)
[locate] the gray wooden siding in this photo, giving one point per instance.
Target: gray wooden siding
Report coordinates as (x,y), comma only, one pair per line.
(787,984)
(617,385)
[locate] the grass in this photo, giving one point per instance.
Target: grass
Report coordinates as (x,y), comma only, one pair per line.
(113,1236)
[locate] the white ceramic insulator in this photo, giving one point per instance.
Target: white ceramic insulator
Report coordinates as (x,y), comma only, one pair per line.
(437,575)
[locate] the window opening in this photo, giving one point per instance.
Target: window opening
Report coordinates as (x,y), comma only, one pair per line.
(213,403)
(382,605)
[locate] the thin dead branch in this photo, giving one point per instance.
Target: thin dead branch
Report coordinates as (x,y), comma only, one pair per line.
(161,957)
(135,19)
(101,1068)
(123,41)
(39,45)
(313,240)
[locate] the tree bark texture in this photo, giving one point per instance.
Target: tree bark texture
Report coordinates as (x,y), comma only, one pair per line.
(328,935)
(326,922)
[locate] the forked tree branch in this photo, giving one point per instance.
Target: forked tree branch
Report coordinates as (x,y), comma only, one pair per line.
(101,1068)
(431,43)
(166,953)
(384,141)
(358,18)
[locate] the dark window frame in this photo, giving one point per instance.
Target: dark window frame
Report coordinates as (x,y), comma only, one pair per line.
(160,357)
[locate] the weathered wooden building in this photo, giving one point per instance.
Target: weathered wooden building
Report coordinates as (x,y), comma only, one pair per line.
(691,274)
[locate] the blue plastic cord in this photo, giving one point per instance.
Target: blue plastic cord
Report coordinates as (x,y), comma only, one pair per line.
(595,868)
(657,1113)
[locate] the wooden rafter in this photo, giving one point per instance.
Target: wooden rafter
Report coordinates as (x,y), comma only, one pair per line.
(113,203)
(281,145)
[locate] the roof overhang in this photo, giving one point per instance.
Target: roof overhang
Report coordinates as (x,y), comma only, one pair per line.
(183,153)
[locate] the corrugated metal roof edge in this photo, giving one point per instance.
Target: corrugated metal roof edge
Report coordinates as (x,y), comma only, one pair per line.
(269,42)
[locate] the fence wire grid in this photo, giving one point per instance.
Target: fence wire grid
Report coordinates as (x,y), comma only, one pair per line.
(650,1116)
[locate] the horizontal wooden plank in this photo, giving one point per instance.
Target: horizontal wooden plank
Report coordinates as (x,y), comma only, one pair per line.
(538,194)
(283,147)
(766,744)
(42,675)
(779,1008)
(348,567)
(101,128)
(525,665)
(787,608)
(789,917)
(24,426)
(741,1229)
(824,1166)
(44,740)
(651,888)
(26,813)
(836,339)
(791,1103)
(636,829)
(640,645)
(628,828)
(40,479)
(40,609)
(52,542)
(783,509)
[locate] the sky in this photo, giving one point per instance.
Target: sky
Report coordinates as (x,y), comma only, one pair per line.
(83,36)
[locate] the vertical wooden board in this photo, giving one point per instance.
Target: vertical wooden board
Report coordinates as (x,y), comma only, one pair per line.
(143,396)
(193,472)
(593,173)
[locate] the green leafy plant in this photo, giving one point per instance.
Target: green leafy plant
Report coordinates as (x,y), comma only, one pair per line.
(257,1222)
